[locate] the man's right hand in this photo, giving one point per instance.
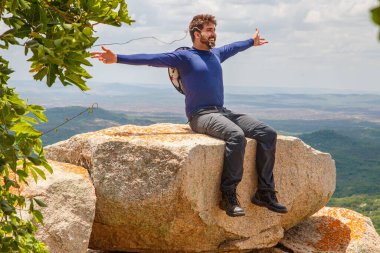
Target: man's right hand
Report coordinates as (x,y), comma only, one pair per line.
(106,57)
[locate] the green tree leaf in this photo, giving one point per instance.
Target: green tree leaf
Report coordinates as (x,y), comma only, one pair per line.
(47,166)
(38,216)
(40,203)
(39,172)
(6,207)
(25,128)
(34,160)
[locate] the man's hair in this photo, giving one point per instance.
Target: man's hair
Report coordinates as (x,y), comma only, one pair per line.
(198,22)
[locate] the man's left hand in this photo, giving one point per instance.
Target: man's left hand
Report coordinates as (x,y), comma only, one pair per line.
(257,40)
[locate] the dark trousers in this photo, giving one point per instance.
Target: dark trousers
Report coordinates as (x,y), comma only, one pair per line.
(231,127)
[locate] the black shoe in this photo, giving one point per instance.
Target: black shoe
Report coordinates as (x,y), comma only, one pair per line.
(268,199)
(231,204)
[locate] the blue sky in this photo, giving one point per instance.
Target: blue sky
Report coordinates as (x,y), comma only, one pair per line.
(313,44)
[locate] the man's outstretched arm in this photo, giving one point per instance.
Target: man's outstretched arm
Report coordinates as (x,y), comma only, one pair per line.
(156,60)
(231,49)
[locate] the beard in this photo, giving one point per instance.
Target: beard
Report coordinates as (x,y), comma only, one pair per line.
(208,41)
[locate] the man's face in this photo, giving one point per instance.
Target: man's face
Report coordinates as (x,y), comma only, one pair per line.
(208,35)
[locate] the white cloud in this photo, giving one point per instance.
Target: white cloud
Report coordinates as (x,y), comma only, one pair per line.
(313,17)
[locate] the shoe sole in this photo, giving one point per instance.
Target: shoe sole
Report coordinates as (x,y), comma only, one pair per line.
(231,214)
(235,214)
(263,204)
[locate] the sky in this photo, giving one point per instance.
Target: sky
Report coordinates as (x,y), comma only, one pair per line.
(324,44)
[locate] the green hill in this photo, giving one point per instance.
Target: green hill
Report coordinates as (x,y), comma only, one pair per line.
(357,161)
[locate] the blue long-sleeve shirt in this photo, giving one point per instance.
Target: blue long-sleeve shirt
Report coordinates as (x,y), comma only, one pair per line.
(200,70)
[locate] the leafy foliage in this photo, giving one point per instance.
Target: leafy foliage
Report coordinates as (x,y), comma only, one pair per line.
(56,33)
(376,16)
(20,153)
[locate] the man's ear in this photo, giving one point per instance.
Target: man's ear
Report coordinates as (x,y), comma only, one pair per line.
(197,34)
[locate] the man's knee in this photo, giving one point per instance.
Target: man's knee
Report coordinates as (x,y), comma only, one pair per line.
(270,138)
(271,134)
(238,137)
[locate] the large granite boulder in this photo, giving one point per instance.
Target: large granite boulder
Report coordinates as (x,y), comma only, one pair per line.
(333,230)
(69,215)
(157,189)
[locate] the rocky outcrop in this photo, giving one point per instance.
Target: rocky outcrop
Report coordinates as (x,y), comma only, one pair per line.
(157,189)
(69,215)
(333,230)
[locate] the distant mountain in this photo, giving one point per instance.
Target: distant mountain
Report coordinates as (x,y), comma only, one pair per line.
(354,128)
(262,102)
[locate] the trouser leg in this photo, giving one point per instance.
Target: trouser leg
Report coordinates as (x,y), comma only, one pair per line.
(266,138)
(218,126)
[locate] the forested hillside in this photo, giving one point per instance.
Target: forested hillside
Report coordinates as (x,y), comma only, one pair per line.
(357,161)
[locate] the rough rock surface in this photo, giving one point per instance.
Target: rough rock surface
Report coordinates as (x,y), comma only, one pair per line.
(333,230)
(157,189)
(69,215)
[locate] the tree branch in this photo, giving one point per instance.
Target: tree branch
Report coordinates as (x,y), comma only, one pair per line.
(60,13)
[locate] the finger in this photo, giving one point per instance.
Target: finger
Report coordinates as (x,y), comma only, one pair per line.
(99,57)
(92,53)
(105,49)
(96,56)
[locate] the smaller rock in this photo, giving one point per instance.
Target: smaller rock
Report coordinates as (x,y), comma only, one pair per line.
(69,215)
(332,230)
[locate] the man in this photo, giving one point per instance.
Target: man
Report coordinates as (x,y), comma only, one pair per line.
(201,75)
